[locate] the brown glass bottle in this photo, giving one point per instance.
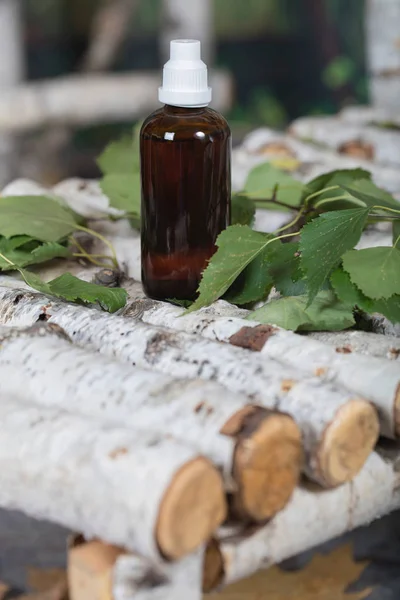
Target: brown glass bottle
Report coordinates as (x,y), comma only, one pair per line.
(186,191)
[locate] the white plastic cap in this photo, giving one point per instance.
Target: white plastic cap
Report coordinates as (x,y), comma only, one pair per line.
(185,80)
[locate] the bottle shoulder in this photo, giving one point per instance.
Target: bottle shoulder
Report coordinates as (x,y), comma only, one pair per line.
(184,122)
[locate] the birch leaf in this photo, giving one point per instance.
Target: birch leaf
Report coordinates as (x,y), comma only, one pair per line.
(39,217)
(325,313)
(121,156)
(261,183)
(238,246)
(371,195)
(243,210)
(349,293)
(23,257)
(68,287)
(339,177)
(255,283)
(123,191)
(396,232)
(376,271)
(285,270)
(325,240)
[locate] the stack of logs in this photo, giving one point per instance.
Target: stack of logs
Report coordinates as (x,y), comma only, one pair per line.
(197,448)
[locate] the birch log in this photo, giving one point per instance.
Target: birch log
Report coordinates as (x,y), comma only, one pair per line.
(313,517)
(180,581)
(262,144)
(194,20)
(11,74)
(339,430)
(383,51)
(96,569)
(374,378)
(360,342)
(79,100)
(364,141)
(259,451)
(146,492)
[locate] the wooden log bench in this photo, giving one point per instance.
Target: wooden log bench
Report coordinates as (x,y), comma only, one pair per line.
(191,451)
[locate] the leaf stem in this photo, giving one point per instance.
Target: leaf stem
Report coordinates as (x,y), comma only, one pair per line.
(394,210)
(293,222)
(396,242)
(320,192)
(348,198)
(102,239)
(7,260)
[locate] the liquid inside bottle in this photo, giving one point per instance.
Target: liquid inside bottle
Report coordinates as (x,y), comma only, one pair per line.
(186,190)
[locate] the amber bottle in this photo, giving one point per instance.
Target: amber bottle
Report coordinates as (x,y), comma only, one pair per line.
(186,180)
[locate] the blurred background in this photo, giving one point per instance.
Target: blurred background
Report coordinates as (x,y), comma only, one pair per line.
(273,61)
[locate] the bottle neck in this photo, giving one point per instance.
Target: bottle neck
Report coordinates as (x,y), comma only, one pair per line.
(183,110)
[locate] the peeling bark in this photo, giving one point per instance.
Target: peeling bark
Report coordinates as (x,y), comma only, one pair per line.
(258,451)
(314,517)
(97,479)
(339,429)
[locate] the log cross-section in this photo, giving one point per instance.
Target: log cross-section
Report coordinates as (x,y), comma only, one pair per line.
(146,492)
(316,405)
(258,451)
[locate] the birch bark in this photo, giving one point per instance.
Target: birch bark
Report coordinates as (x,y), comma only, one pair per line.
(97,479)
(339,430)
(258,451)
(313,517)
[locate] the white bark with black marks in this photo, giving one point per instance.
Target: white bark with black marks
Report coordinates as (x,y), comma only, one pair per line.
(39,365)
(314,517)
(382,145)
(360,342)
(316,405)
(135,579)
(105,481)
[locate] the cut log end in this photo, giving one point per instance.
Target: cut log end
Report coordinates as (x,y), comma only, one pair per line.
(192,509)
(213,568)
(267,464)
(347,443)
(397,412)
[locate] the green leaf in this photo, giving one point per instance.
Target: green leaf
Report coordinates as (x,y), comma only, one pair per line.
(351,295)
(69,287)
(285,269)
(182,303)
(325,313)
(262,181)
(376,271)
(325,240)
(255,283)
(389,307)
(243,210)
(338,177)
(396,232)
(238,246)
(123,191)
(345,290)
(371,195)
(122,156)
(39,217)
(23,257)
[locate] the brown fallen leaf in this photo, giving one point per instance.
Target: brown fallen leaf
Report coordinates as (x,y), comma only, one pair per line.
(48,584)
(326,577)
